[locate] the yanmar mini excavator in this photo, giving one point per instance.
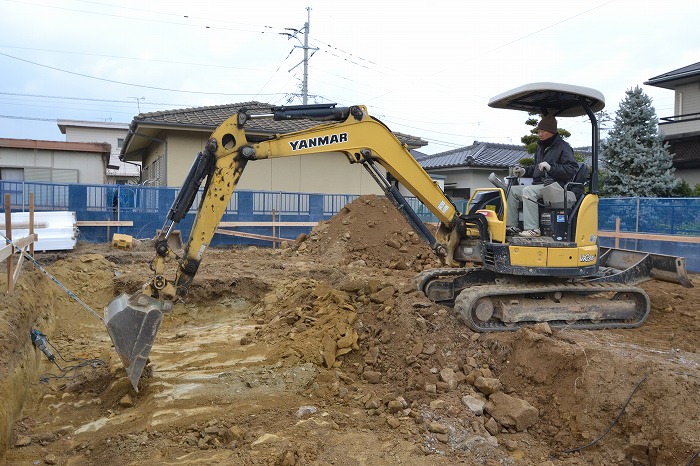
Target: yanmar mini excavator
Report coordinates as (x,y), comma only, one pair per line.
(494,281)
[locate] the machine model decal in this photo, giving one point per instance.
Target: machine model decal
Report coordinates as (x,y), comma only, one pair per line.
(319,141)
(443,207)
(587,258)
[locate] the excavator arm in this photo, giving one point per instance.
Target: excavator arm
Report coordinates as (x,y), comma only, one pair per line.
(133,321)
(359,137)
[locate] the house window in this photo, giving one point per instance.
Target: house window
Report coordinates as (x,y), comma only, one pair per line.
(51,175)
(120,142)
(152,173)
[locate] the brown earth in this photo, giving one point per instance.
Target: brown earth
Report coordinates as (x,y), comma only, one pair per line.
(323,353)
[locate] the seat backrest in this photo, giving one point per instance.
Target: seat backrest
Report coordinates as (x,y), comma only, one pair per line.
(580,178)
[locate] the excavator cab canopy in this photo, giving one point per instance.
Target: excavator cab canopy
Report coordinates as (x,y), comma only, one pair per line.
(559,100)
(555,99)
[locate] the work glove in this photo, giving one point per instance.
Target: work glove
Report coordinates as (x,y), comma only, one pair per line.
(544,166)
(518,171)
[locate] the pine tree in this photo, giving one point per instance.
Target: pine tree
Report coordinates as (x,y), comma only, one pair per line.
(637,162)
(530,139)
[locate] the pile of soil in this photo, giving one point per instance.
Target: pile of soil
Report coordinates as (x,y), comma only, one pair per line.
(312,353)
(370,231)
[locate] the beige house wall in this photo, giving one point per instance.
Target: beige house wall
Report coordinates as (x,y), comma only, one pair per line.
(329,173)
(687,99)
(182,148)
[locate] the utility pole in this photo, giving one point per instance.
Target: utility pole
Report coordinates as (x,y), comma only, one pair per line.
(305,82)
(304,45)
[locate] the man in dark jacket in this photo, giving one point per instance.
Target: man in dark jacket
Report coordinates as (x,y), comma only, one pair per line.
(554,161)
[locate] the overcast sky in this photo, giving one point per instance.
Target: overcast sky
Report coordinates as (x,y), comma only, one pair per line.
(424,68)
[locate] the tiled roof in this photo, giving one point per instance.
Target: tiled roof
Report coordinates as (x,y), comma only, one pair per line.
(478,155)
(669,80)
(209,118)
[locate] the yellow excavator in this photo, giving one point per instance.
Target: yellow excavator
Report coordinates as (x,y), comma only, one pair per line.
(495,281)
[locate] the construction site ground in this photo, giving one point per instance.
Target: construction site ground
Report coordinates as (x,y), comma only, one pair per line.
(323,352)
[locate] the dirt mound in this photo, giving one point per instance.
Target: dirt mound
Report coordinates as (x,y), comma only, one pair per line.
(370,230)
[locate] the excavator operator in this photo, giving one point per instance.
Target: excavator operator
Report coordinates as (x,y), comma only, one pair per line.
(554,161)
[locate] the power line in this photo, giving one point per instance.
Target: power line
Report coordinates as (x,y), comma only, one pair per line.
(150,20)
(143,86)
(121,57)
(552,25)
(352,59)
(14,117)
(121,7)
(87,99)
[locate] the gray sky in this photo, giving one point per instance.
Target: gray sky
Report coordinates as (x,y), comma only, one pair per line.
(424,68)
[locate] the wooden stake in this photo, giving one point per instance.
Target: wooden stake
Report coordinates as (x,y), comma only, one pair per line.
(8,234)
(274,229)
(31,221)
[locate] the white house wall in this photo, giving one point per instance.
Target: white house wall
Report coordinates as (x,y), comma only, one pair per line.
(100,134)
(89,166)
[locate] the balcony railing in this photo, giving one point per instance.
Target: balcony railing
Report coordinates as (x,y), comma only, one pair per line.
(679,124)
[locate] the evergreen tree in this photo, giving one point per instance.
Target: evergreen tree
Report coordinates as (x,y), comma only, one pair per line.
(530,139)
(637,162)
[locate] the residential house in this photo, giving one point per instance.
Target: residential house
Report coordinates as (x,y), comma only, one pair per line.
(53,161)
(682,129)
(118,172)
(167,143)
(464,169)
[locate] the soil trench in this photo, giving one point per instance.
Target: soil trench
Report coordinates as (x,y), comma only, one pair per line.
(324,353)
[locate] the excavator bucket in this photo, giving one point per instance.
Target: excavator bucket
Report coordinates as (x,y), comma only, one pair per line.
(132,323)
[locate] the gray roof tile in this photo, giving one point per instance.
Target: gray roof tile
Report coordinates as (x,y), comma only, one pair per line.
(478,155)
(684,75)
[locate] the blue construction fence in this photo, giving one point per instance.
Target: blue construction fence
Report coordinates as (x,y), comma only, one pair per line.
(147,208)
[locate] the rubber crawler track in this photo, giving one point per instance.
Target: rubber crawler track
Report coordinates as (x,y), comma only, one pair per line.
(465,304)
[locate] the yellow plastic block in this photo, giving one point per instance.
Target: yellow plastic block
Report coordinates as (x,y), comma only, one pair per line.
(120,241)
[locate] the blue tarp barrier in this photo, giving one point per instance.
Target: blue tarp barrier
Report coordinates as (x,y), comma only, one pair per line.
(147,208)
